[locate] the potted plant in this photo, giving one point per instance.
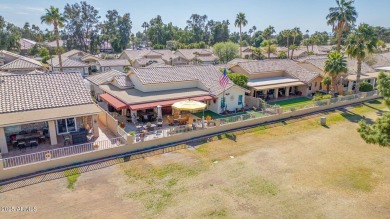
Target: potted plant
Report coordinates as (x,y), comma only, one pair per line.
(122,125)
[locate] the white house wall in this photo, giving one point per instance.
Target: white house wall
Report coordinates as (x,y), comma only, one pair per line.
(232,103)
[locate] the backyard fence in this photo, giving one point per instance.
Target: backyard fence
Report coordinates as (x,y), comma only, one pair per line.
(334,100)
(62,152)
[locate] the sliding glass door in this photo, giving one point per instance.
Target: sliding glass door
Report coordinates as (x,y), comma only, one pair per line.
(66,125)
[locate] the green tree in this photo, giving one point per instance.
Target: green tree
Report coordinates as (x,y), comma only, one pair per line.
(55,18)
(335,65)
(379,132)
(360,43)
(44,54)
(327,81)
(341,17)
(240,22)
(295,32)
(239,79)
(286,34)
(267,35)
(226,51)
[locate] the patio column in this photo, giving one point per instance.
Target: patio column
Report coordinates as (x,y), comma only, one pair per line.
(276,93)
(133,114)
(350,84)
(123,112)
(3,142)
(287,91)
(95,125)
(52,132)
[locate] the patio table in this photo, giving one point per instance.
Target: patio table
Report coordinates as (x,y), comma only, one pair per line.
(26,136)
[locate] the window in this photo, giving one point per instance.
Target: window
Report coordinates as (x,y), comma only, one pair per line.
(223,102)
(315,84)
(240,100)
(66,125)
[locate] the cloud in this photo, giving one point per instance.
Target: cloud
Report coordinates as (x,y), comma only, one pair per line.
(20,9)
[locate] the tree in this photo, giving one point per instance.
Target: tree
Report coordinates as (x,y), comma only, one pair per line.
(341,17)
(55,18)
(327,81)
(145,25)
(267,34)
(240,22)
(226,51)
(335,65)
(197,26)
(294,33)
(239,79)
(379,132)
(117,30)
(44,54)
(81,20)
(360,43)
(286,34)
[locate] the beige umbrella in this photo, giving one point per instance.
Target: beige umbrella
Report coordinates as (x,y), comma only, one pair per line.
(189,105)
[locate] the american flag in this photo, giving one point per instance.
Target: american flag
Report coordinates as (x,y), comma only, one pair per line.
(224,80)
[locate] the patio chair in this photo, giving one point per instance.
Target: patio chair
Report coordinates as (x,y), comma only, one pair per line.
(33,143)
(21,145)
(170,120)
(176,115)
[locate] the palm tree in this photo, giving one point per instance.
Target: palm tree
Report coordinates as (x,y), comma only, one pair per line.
(287,34)
(294,33)
(267,34)
(341,18)
(335,65)
(362,42)
(55,18)
(240,22)
(327,81)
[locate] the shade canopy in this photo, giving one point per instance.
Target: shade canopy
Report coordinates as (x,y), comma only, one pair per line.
(189,105)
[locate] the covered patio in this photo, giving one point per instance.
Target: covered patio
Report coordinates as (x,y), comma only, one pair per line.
(276,88)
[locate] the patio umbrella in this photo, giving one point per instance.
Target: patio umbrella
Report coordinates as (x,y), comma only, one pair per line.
(189,105)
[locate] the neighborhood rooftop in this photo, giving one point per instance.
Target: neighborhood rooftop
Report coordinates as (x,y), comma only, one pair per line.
(208,75)
(41,91)
(289,66)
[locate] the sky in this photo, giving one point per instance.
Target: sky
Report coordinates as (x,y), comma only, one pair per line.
(282,14)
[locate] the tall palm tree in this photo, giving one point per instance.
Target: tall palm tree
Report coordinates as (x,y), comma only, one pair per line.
(287,34)
(341,18)
(267,34)
(335,65)
(362,42)
(240,22)
(55,18)
(294,33)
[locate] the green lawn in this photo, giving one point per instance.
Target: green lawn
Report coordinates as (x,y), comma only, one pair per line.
(219,116)
(292,102)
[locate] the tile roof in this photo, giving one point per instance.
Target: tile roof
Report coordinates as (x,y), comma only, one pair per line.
(285,65)
(189,54)
(104,77)
(41,91)
(208,75)
(66,62)
(22,63)
(381,60)
(147,61)
(139,54)
(114,62)
(54,43)
(11,54)
(26,44)
(319,62)
(123,81)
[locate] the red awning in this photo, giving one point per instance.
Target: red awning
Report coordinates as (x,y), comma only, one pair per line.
(117,104)
(142,106)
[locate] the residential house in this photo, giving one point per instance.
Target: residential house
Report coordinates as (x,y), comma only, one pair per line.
(102,78)
(26,45)
(143,58)
(194,56)
(72,61)
(347,83)
(143,89)
(11,63)
(113,64)
(44,106)
(272,79)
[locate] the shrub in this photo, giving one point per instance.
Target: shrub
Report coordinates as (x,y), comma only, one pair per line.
(132,133)
(365,87)
(282,55)
(319,96)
